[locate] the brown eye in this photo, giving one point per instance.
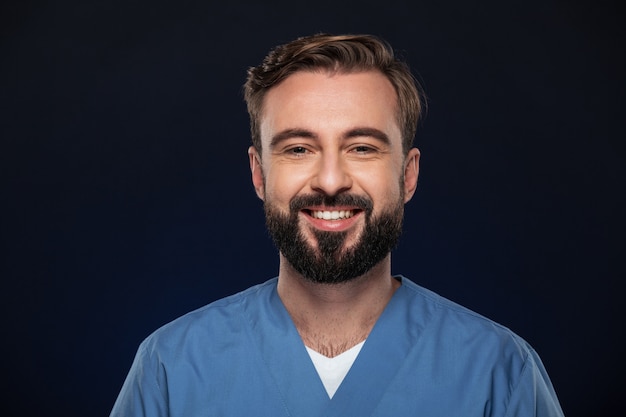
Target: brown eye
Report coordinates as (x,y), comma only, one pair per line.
(362,149)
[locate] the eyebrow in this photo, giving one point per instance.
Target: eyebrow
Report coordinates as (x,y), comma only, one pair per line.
(368,131)
(352,133)
(291,133)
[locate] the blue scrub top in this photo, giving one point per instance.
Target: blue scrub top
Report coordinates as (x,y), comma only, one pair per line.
(426,356)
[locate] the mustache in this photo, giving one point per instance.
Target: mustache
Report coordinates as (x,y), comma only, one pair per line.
(301,201)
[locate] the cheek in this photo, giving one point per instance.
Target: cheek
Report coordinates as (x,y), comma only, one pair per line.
(283,185)
(383,187)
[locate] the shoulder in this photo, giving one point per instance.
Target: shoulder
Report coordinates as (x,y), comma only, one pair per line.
(463,351)
(438,307)
(462,330)
(213,324)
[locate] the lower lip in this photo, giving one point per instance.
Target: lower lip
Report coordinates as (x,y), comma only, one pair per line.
(338,225)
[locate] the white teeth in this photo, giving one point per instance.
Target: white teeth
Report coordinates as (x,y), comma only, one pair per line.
(332,215)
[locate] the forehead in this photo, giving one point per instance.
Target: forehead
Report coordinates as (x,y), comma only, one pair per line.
(331,101)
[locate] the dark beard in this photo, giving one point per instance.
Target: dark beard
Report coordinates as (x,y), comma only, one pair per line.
(331,263)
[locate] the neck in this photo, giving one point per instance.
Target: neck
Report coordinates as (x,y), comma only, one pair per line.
(331,318)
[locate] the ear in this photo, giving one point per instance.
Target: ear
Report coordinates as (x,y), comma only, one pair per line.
(257,172)
(411,172)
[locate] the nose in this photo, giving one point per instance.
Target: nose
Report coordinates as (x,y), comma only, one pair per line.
(331,176)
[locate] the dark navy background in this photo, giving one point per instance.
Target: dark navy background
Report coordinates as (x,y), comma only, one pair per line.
(126,198)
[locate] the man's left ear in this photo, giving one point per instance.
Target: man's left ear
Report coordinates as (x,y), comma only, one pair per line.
(411,172)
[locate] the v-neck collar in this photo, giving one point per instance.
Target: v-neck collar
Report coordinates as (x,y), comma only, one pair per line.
(288,364)
(292,372)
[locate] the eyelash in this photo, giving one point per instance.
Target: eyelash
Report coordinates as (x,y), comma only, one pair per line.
(363,149)
(297,150)
(303,150)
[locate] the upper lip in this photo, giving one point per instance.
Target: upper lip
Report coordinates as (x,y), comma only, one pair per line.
(333,208)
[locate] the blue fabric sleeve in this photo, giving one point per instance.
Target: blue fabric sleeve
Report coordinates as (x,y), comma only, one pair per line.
(141,395)
(534,395)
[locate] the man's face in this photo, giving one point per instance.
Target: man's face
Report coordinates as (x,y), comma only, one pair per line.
(332,173)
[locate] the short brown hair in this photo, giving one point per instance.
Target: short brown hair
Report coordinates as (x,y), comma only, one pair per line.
(341,53)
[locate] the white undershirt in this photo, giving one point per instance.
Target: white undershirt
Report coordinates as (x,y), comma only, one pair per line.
(332,371)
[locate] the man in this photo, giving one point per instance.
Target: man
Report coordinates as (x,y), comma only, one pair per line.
(335,334)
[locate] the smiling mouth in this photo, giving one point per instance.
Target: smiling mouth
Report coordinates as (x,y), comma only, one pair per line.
(332,214)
